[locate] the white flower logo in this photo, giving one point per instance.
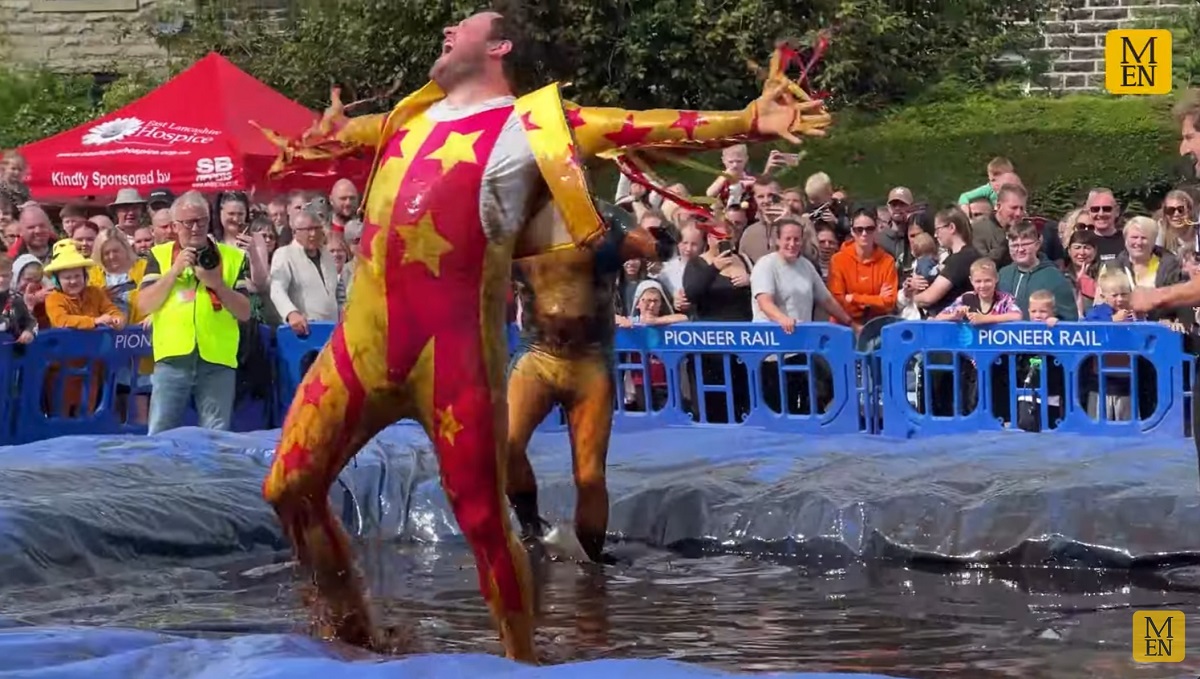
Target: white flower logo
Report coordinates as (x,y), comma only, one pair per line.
(113,130)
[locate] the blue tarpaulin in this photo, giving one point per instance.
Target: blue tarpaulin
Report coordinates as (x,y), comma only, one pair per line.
(92,506)
(72,653)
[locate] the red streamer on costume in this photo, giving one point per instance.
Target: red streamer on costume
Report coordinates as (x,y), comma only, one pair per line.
(627,166)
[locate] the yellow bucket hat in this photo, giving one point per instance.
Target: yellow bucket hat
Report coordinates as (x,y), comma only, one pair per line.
(67,257)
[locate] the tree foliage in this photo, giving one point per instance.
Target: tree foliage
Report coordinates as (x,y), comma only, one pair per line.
(639,54)
(36,104)
(940,150)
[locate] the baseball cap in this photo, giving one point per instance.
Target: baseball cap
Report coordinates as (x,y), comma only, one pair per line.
(162,197)
(900,194)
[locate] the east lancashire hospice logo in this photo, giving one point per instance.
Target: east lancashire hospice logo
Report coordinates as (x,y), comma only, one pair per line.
(1137,61)
(1158,636)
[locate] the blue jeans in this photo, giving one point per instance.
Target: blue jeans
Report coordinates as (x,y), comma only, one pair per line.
(176,380)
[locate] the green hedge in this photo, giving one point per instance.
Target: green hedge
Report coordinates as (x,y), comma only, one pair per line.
(1061,147)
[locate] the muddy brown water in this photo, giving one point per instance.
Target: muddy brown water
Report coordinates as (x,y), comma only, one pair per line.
(724,611)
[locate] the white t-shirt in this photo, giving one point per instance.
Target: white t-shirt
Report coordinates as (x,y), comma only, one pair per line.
(794,287)
(511,195)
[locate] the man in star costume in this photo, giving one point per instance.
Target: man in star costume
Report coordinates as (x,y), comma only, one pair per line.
(465,175)
(565,357)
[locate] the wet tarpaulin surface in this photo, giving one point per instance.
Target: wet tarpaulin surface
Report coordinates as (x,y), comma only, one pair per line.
(71,653)
(83,518)
(81,507)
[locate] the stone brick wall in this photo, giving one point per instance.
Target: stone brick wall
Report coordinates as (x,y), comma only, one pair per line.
(1074,37)
(93,36)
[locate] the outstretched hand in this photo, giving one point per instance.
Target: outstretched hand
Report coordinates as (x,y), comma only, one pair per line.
(782,113)
(333,117)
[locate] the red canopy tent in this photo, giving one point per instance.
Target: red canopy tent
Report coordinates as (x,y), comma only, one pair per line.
(193,132)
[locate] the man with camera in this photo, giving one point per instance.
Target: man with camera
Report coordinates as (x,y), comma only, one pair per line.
(193,290)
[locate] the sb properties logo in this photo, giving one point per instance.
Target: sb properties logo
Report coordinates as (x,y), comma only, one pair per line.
(1158,636)
(1137,61)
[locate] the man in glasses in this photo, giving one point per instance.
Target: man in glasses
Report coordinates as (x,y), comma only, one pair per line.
(1102,206)
(194,291)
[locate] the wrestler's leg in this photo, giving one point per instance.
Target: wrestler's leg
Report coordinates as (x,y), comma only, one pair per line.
(340,405)
(589,419)
(530,399)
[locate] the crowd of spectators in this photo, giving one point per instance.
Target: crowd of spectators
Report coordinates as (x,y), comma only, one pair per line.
(285,262)
(788,255)
(768,252)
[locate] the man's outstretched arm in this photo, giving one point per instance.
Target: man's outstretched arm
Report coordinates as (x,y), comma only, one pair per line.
(332,137)
(777,114)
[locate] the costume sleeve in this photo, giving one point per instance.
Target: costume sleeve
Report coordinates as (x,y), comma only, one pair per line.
(59,312)
(322,145)
(598,130)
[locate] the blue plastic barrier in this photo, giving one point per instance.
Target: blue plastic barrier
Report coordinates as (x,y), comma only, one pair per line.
(917,379)
(99,362)
(754,349)
(1080,353)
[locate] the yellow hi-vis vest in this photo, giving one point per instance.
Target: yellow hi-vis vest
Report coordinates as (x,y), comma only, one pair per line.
(187,318)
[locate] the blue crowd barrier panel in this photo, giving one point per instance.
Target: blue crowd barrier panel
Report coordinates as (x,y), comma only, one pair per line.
(293,356)
(1104,379)
(81,382)
(753,374)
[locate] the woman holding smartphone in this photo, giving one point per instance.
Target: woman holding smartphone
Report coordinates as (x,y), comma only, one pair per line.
(716,285)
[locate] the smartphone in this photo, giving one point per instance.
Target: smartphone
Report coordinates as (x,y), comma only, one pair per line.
(724,247)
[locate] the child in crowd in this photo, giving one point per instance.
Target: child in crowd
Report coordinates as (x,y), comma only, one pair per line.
(12,178)
(15,318)
(996,166)
(143,240)
(29,281)
(1029,411)
(651,306)
(1116,289)
(75,304)
(985,304)
(926,265)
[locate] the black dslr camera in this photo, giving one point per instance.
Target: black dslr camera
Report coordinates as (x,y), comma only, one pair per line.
(208,257)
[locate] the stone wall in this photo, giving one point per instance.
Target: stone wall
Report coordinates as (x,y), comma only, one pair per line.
(90,36)
(1074,37)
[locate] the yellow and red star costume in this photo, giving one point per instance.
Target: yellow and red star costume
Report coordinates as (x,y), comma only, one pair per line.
(423,336)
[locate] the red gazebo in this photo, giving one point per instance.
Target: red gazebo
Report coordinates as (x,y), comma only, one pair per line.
(193,132)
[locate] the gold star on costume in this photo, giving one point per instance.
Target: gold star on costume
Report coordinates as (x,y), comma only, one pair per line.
(458,148)
(448,426)
(423,243)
